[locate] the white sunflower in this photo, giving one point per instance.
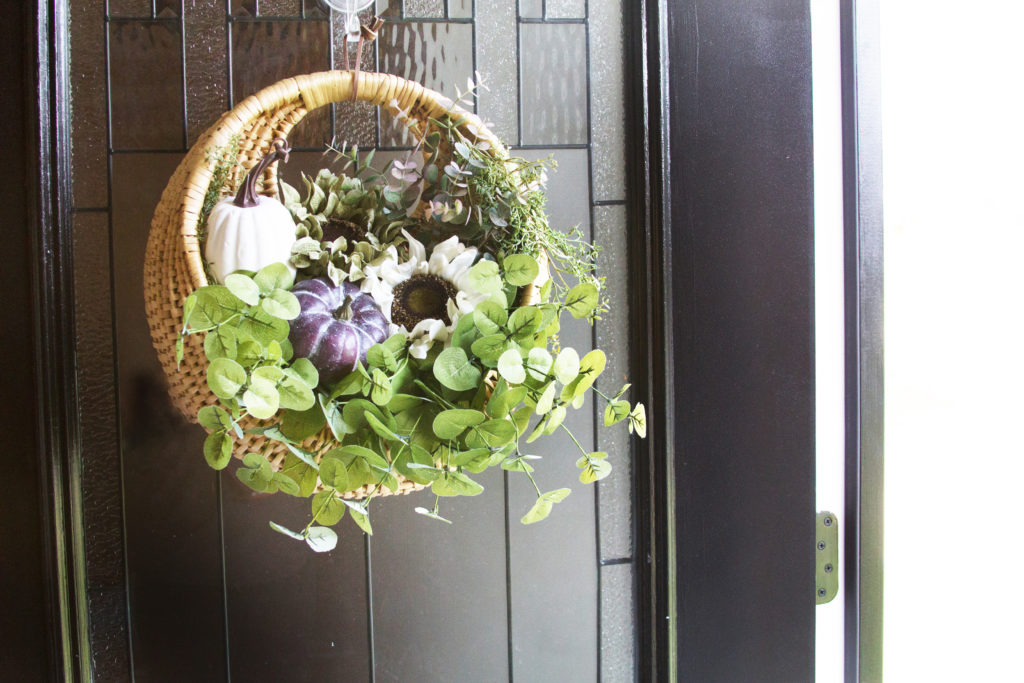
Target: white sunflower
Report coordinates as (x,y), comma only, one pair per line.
(422,296)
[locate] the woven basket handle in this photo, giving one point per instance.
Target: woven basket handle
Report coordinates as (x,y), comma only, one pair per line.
(272,112)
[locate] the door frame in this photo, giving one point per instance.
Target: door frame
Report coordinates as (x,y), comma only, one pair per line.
(668,45)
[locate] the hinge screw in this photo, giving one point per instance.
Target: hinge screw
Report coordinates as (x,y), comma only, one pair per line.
(821,545)
(822,592)
(828,521)
(828,568)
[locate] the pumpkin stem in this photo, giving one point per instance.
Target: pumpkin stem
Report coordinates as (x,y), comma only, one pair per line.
(247,196)
(345,312)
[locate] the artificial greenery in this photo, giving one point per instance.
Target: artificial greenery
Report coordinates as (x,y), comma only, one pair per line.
(476,400)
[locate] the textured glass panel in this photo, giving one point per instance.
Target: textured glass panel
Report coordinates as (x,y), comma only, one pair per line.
(88,105)
(313,9)
(171,504)
(280,8)
(243,8)
(607,97)
(288,607)
(496,61)
(568,195)
(145,85)
(264,52)
(531,9)
(566,9)
(617,634)
(206,43)
(355,122)
(549,557)
(136,9)
(101,464)
(424,8)
(167,9)
(413,555)
(438,55)
(615,513)
(460,9)
(554,83)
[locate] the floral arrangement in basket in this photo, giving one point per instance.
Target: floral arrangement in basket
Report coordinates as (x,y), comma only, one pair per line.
(390,330)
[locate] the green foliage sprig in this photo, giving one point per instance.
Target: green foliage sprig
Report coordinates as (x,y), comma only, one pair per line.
(501,384)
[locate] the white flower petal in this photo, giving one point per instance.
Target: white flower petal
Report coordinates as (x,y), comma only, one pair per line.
(416,250)
(459,265)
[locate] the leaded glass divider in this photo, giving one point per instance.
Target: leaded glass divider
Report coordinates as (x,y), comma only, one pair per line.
(212,593)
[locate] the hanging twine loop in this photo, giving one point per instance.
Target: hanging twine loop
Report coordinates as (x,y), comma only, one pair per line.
(367,34)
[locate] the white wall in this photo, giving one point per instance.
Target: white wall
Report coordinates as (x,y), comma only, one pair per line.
(953,117)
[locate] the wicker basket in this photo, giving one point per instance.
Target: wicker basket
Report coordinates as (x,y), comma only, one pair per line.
(173,267)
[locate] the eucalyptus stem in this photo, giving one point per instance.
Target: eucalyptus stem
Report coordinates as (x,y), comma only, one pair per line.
(532,481)
(573,437)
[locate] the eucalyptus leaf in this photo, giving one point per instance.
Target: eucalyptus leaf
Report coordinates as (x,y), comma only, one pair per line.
(381,392)
(286,484)
(502,404)
(554,419)
(523,322)
(516,465)
(243,287)
(484,277)
(431,514)
(538,363)
(287,532)
(221,343)
(303,369)
(327,508)
(225,377)
(510,366)
(263,328)
(381,429)
(489,317)
(360,517)
(453,369)
(490,348)
(591,366)
(465,332)
(594,468)
(271,373)
(282,304)
(546,399)
(638,421)
(214,418)
(333,473)
(215,304)
(616,411)
(261,399)
(274,276)
(321,539)
(540,510)
(491,434)
(582,300)
(520,269)
(449,424)
(567,365)
(456,484)
(217,449)
(333,416)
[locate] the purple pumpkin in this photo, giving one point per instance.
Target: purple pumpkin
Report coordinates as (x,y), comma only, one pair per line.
(335,327)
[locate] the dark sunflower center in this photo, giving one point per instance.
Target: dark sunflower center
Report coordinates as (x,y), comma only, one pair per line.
(339,227)
(421,297)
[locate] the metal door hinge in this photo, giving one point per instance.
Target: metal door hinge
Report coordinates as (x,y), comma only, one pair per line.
(826,551)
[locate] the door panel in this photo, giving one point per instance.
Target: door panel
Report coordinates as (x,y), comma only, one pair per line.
(211,592)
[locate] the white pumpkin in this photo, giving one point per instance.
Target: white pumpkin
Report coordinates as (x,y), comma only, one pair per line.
(249,231)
